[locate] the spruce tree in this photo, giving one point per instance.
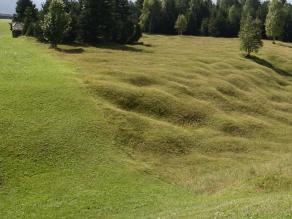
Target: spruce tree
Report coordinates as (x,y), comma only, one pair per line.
(21,7)
(234,20)
(274,20)
(168,12)
(251,8)
(96,20)
(250,35)
(29,20)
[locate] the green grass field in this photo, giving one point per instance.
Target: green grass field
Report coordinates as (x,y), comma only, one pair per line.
(176,127)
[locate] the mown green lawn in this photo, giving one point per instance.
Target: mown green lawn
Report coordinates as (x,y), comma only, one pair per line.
(73,144)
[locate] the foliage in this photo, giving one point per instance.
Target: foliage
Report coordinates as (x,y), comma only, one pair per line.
(29,20)
(124,29)
(55,23)
(181,24)
(150,16)
(197,11)
(96,21)
(234,19)
(21,7)
(274,20)
(92,21)
(169,15)
(250,35)
(251,8)
(88,21)
(287,27)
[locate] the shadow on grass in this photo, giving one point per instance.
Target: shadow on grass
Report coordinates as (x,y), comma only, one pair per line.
(267,64)
(120,47)
(284,45)
(76,48)
(142,44)
(71,50)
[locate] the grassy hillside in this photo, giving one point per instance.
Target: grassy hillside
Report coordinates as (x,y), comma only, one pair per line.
(56,159)
(175,127)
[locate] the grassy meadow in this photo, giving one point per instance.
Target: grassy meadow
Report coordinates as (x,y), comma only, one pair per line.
(173,127)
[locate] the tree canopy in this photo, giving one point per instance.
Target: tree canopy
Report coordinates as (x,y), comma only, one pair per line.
(122,21)
(274,21)
(181,24)
(250,35)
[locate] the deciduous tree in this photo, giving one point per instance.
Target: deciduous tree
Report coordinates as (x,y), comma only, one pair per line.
(275,19)
(181,24)
(55,23)
(250,35)
(150,17)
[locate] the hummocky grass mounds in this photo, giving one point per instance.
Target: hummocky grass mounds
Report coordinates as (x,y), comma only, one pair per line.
(184,127)
(187,97)
(154,102)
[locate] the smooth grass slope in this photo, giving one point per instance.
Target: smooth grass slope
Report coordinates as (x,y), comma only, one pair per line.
(176,127)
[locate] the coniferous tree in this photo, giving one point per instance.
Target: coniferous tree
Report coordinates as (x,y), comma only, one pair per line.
(250,35)
(287,33)
(21,7)
(250,8)
(198,10)
(73,10)
(204,30)
(182,6)
(234,20)
(30,20)
(123,27)
(168,11)
(96,20)
(218,25)
(274,20)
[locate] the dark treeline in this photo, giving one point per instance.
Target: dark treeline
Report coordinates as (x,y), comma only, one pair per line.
(207,18)
(86,21)
(5,16)
(122,21)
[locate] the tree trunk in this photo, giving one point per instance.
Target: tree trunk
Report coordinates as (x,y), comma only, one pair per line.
(248,53)
(274,40)
(150,25)
(53,45)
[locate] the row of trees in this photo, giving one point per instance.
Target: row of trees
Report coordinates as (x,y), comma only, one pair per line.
(203,17)
(250,29)
(92,21)
(87,21)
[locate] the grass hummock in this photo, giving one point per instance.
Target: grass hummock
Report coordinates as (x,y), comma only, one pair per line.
(183,127)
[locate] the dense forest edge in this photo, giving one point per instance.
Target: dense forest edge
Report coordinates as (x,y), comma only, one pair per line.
(123,21)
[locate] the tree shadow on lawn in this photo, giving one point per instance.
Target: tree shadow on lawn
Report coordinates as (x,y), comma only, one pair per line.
(284,45)
(76,48)
(267,64)
(121,47)
(71,50)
